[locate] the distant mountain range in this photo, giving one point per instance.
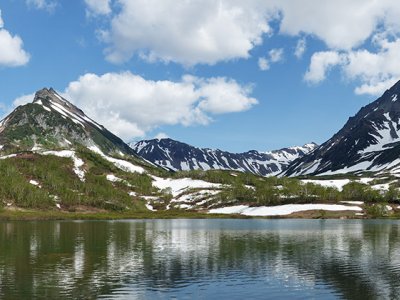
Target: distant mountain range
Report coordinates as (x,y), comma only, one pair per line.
(178,156)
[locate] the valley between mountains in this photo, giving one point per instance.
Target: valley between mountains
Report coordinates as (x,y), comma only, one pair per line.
(56,160)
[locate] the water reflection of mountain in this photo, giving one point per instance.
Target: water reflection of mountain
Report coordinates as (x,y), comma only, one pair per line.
(351,260)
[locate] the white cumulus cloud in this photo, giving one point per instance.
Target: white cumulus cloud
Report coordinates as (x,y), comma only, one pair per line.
(375,71)
(321,63)
(12,53)
(24,99)
(341,24)
(210,31)
(129,105)
(98,7)
(186,32)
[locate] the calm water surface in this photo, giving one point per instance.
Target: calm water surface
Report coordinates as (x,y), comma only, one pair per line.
(200,259)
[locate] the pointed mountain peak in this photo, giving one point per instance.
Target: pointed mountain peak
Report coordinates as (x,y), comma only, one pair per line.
(49,98)
(50,94)
(44,93)
(51,121)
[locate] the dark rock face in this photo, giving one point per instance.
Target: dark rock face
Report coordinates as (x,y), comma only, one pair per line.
(369,141)
(175,156)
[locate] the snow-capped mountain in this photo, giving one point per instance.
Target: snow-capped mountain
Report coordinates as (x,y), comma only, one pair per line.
(369,141)
(175,156)
(50,121)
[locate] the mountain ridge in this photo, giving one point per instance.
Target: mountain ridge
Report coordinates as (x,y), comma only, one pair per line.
(369,141)
(177,156)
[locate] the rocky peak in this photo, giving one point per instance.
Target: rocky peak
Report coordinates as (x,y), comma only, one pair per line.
(51,121)
(369,141)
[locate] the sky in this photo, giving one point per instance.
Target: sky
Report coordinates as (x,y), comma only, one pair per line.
(228,74)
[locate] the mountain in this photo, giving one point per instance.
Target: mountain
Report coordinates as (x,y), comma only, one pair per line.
(175,156)
(368,142)
(50,121)
(54,157)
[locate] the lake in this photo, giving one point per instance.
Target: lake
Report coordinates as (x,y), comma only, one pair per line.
(200,259)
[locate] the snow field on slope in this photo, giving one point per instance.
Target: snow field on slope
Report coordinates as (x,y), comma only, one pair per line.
(280,210)
(119,163)
(179,186)
(340,183)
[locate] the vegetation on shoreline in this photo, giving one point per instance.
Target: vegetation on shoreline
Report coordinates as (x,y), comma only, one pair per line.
(245,188)
(47,215)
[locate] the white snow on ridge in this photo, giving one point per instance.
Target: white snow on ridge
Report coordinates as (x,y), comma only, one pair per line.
(280,210)
(75,118)
(382,136)
(362,166)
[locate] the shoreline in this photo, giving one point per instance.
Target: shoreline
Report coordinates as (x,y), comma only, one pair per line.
(45,215)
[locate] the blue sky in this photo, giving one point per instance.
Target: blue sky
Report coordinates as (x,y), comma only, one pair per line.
(234,75)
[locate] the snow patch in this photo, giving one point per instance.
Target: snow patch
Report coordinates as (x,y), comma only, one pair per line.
(353,202)
(381,187)
(362,166)
(119,163)
(178,186)
(382,137)
(34,182)
(335,183)
(113,178)
(150,207)
(8,156)
(280,210)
